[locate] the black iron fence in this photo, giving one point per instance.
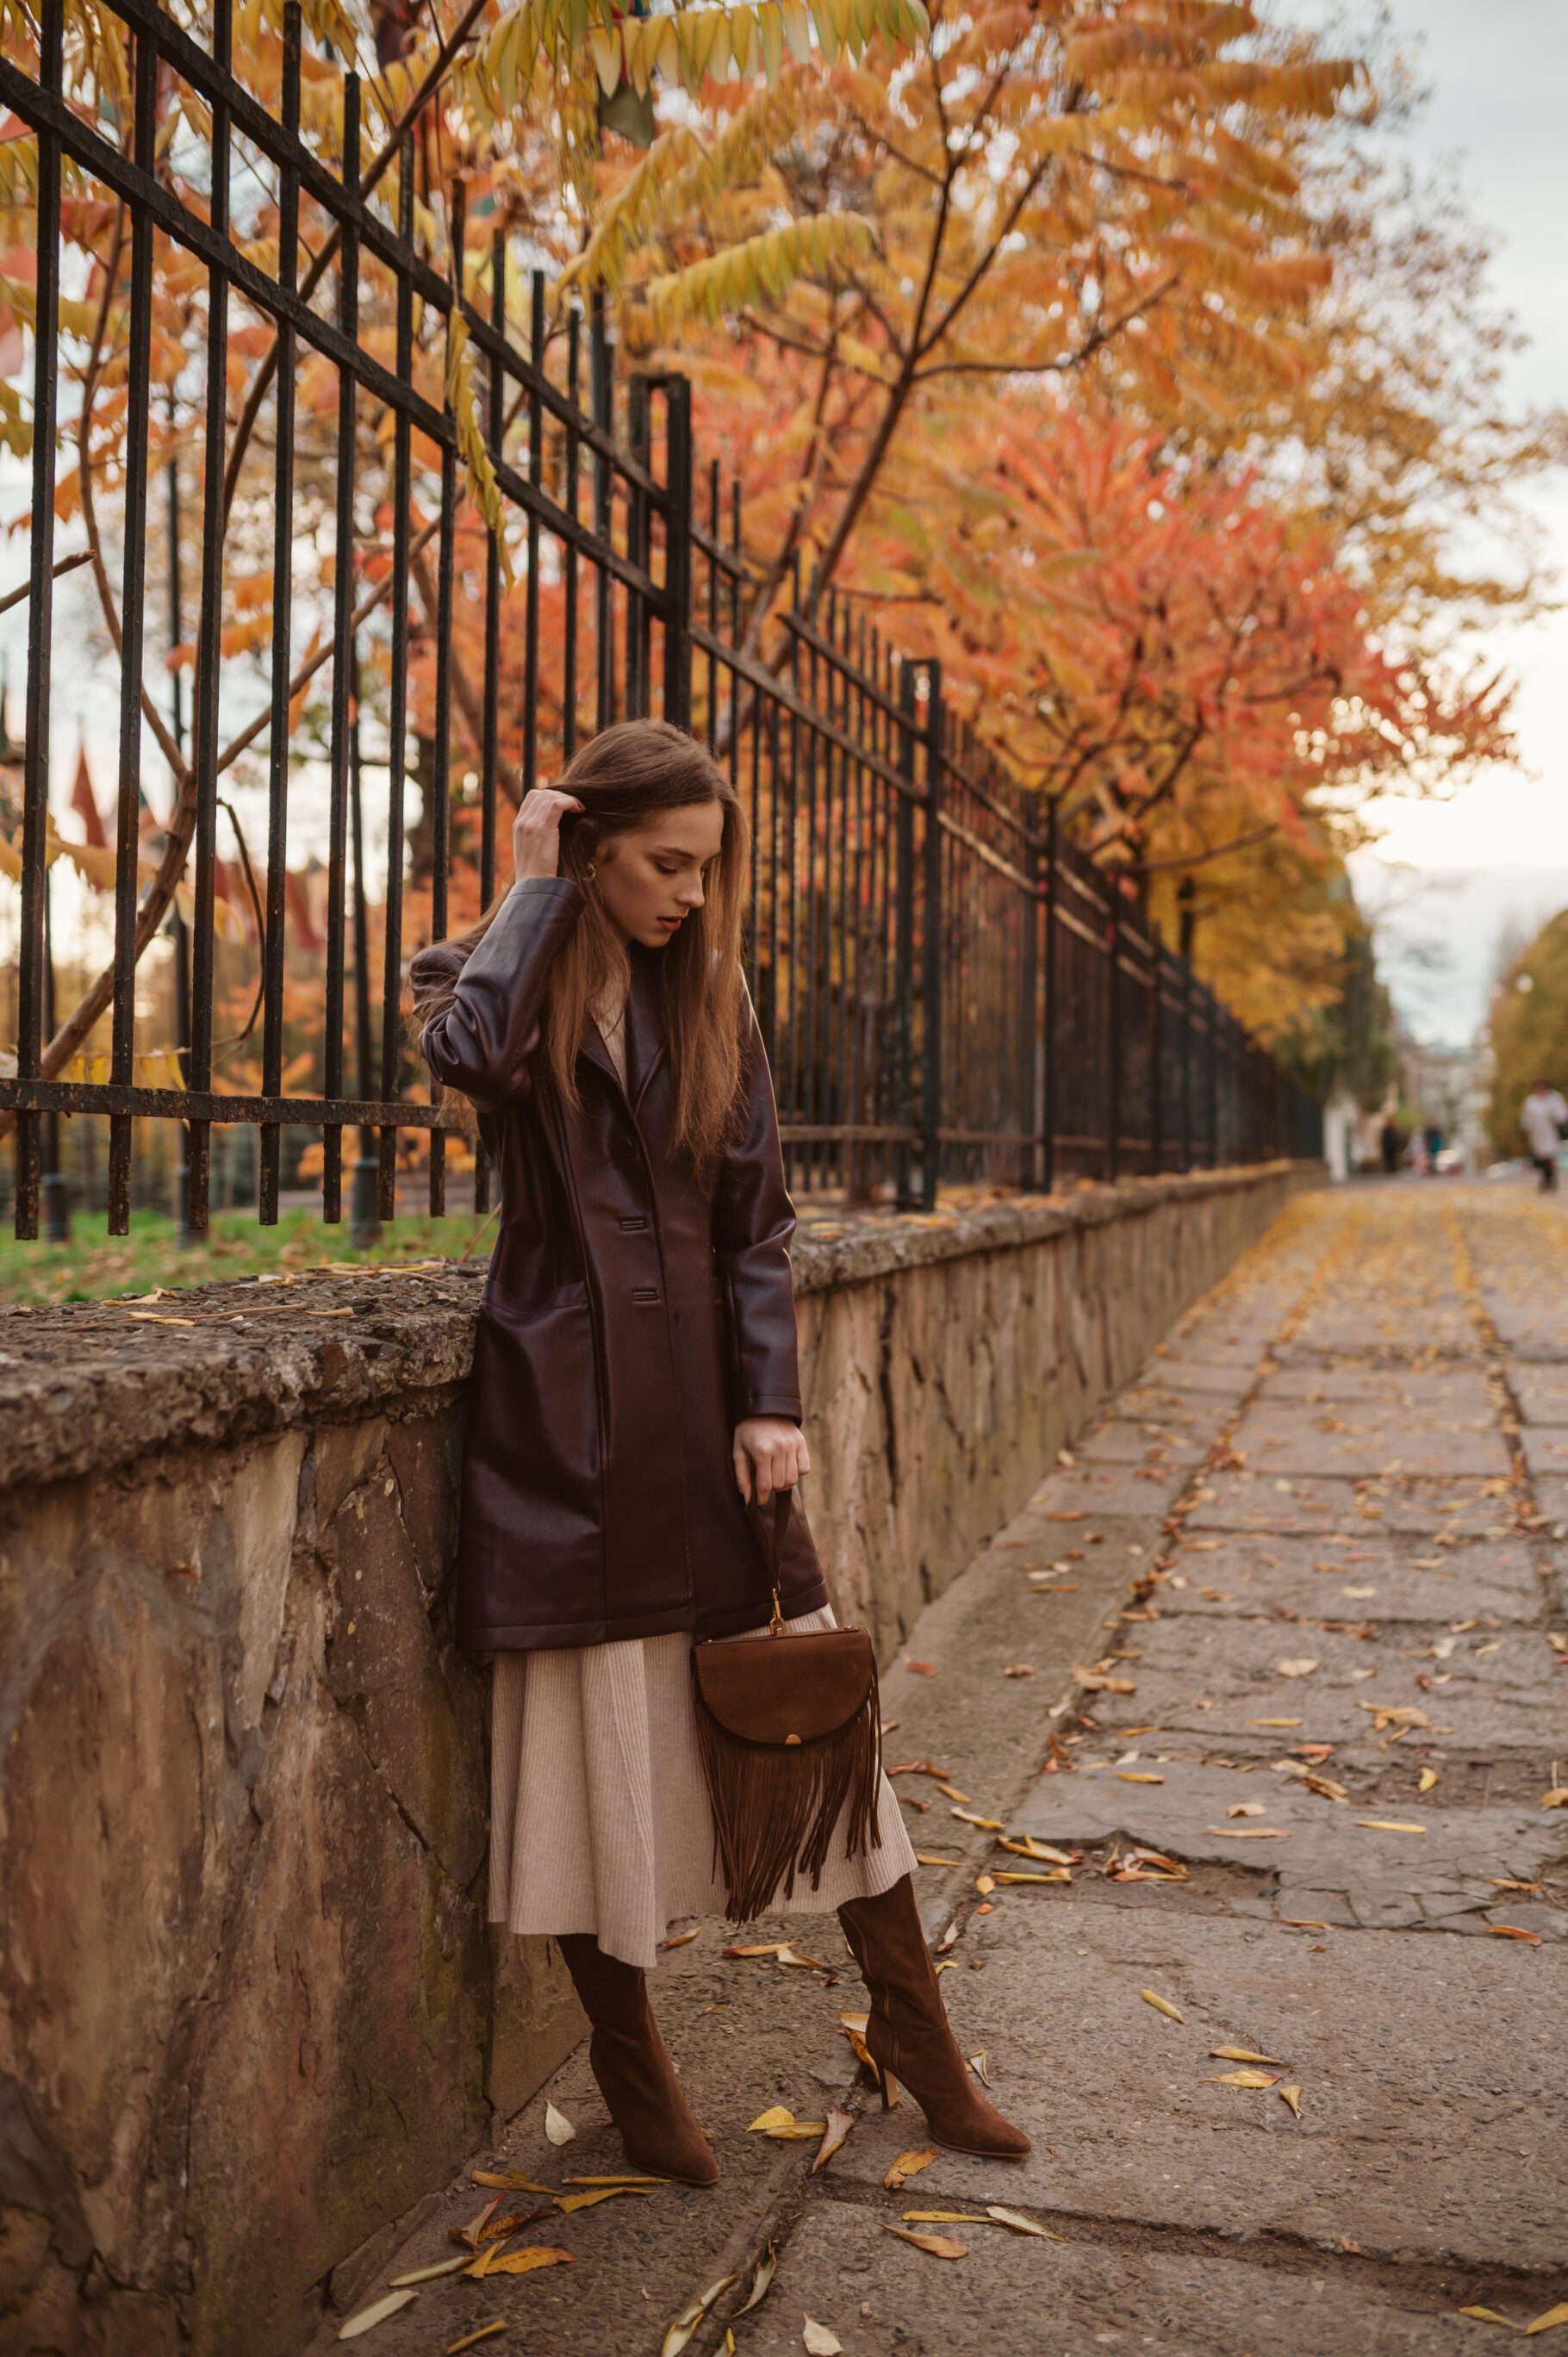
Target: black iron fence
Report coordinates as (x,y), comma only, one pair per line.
(947,992)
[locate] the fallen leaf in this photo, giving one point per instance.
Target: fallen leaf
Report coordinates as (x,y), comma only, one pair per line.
(1241,2054)
(523,2263)
(942,2218)
(1021,2225)
(1489,2316)
(1095,1682)
(1019,1670)
(775,2116)
(557,2126)
(1388,1825)
(940,2246)
(1076,1515)
(926,1669)
(819,2341)
(1512,1931)
(986,1824)
(979,2063)
(914,1768)
(569,2202)
(766,2268)
(1556,1799)
(379,2311)
(682,1939)
(472,2339)
(951,1791)
(1137,1776)
(470,2233)
(624,2179)
(839,2124)
(1304,1923)
(767,1948)
(1291,2095)
(925,1857)
(510,2180)
(1274,1722)
(1029,1847)
(1241,2079)
(908,2165)
(1052,1874)
(691,2316)
(1160,2004)
(499,2228)
(1249,1833)
(1245,1809)
(1558,2314)
(427,2275)
(986,1884)
(786,1956)
(855,2021)
(1295,1669)
(1426,1779)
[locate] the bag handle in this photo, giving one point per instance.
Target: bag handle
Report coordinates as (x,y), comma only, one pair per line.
(781,1503)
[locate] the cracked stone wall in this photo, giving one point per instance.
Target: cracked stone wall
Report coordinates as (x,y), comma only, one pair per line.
(251,2013)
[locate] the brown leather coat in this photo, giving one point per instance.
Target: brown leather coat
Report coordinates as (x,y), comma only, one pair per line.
(629,1322)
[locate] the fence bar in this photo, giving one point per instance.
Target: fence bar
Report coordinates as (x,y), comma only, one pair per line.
(931,918)
(345,687)
(397,713)
(536,476)
(440,786)
(31,978)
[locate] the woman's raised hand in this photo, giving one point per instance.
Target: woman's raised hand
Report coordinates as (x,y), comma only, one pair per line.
(536,831)
(769,1453)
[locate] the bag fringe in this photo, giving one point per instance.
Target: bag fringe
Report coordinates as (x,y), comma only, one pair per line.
(775,1806)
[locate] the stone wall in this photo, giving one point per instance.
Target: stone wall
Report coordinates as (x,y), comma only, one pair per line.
(251,2012)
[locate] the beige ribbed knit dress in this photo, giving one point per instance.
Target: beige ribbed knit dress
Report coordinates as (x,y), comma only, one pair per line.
(599,1817)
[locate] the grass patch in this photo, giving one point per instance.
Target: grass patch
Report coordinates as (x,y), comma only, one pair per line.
(93,1265)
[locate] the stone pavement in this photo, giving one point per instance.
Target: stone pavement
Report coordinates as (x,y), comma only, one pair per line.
(1298,1684)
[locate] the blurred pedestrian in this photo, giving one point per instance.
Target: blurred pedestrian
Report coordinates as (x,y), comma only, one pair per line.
(1434,1147)
(1544,1116)
(1389,1145)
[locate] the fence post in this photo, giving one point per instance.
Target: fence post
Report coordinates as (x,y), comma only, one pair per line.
(903,938)
(933,979)
(1156,1107)
(1113,1030)
(1048,1036)
(678,554)
(1029,1109)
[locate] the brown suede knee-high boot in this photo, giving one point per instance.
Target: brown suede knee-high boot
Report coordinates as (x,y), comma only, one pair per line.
(634,2074)
(908,2033)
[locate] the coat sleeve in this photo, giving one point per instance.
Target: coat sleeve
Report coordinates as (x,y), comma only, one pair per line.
(755,1224)
(484,1042)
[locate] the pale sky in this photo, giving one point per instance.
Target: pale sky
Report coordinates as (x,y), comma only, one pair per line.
(1498,71)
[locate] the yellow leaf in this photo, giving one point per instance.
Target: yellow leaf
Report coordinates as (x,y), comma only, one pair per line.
(839,2124)
(472,2339)
(426,2275)
(691,2316)
(523,2263)
(801,2133)
(953,1793)
(1241,2078)
(986,1824)
(1291,2095)
(759,2282)
(942,2218)
(1558,2314)
(1136,1776)
(908,2164)
(1426,1779)
(1241,2054)
(775,2117)
(1488,2316)
(1245,1809)
(622,2180)
(1388,1825)
(940,2246)
(818,2341)
(1295,1669)
(1556,1799)
(682,1939)
(1021,2225)
(557,2126)
(606,57)
(786,1956)
(1053,1874)
(986,1884)
(568,2203)
(377,2313)
(1249,1833)
(1274,1722)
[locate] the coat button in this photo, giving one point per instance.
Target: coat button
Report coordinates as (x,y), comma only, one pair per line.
(645,1293)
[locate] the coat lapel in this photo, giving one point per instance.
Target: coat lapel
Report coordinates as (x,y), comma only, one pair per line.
(644,1032)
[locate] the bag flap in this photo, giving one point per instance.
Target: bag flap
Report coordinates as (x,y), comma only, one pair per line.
(764,1689)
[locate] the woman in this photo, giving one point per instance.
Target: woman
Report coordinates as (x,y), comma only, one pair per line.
(633,1391)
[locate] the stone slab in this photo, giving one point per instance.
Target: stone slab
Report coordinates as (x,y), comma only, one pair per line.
(1434,2119)
(1141,1441)
(1395,1576)
(1139,1493)
(1279,1502)
(1014,2297)
(1358,1388)
(1289,1436)
(1197,1415)
(1546,1449)
(1383,1878)
(1541,1392)
(1507,1700)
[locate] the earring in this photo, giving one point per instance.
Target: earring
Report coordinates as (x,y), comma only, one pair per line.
(590,872)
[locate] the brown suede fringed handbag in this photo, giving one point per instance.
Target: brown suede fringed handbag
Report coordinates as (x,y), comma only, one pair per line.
(790,1731)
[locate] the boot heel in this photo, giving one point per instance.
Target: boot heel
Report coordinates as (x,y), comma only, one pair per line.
(889,2091)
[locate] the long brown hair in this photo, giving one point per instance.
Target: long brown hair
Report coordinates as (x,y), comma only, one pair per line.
(624,777)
